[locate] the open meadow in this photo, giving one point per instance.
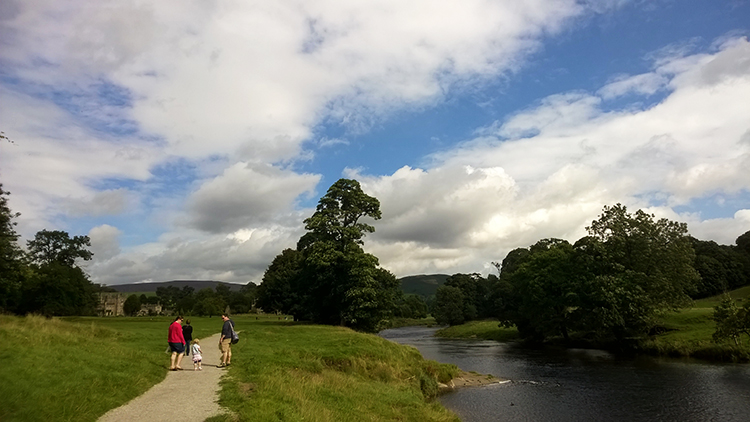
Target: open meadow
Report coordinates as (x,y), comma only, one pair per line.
(76,369)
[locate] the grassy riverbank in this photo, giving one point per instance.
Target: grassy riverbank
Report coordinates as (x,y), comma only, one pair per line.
(78,368)
(687,333)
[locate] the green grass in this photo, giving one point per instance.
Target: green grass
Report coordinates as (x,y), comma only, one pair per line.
(741,295)
(486,329)
(412,322)
(76,369)
(321,373)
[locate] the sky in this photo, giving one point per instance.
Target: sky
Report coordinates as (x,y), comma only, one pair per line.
(190,139)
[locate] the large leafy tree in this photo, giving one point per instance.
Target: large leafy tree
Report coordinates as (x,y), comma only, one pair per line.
(12,268)
(546,290)
(721,267)
(275,292)
(731,321)
(645,269)
(449,306)
(57,246)
(336,281)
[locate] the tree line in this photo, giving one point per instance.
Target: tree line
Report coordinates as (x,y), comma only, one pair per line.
(609,286)
(46,278)
(204,302)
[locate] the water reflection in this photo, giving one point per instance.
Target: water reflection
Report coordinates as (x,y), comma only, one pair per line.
(584,385)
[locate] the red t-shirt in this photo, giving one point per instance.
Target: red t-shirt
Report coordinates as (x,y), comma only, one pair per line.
(175,333)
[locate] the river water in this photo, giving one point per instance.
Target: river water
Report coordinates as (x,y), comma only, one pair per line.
(583,385)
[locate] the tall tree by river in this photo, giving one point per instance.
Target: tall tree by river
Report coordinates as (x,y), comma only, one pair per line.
(612,284)
(331,278)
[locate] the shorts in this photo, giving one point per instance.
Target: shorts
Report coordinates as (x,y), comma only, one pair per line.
(177,347)
(226,344)
(197,358)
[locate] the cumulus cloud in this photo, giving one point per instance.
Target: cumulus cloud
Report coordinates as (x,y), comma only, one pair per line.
(247,195)
(238,258)
(105,241)
(548,170)
(107,202)
(268,72)
(101,98)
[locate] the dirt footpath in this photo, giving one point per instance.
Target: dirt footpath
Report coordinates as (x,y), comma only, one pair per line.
(183,396)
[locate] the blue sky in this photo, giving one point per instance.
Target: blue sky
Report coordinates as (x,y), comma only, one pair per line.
(190,139)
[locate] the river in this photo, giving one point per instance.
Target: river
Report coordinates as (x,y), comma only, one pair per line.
(583,385)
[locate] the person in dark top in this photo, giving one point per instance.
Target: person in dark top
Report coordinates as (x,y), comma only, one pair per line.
(187,332)
(225,341)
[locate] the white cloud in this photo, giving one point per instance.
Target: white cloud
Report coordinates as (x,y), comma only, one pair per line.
(247,195)
(115,90)
(105,241)
(547,171)
(644,84)
(107,202)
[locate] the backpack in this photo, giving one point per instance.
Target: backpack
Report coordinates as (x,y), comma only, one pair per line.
(235,336)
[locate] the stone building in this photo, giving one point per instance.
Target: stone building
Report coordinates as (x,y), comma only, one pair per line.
(111,304)
(150,309)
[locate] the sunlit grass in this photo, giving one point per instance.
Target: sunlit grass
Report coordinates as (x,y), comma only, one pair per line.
(321,373)
(76,369)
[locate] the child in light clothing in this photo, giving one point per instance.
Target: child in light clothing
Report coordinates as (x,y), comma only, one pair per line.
(197,358)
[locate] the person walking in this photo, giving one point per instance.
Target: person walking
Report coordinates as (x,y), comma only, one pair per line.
(197,355)
(187,332)
(176,344)
(225,341)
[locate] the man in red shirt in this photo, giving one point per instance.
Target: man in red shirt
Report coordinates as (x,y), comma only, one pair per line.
(176,343)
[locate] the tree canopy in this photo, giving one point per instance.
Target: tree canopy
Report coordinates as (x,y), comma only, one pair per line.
(329,278)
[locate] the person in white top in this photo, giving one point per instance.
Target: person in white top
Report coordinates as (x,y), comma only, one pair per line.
(197,358)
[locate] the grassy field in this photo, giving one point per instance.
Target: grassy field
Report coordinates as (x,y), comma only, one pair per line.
(487,329)
(687,333)
(321,373)
(75,369)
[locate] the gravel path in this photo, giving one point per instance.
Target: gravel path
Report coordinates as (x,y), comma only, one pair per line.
(184,396)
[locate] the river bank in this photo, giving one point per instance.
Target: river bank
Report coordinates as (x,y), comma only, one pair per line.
(555,384)
(686,334)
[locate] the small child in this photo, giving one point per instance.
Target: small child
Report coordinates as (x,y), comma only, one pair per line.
(197,358)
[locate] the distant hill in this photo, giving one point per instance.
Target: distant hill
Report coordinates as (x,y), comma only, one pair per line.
(423,285)
(151,287)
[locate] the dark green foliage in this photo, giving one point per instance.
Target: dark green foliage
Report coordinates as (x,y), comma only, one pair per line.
(449,306)
(721,267)
(330,279)
(410,306)
(275,291)
(731,321)
(57,246)
(12,268)
(132,305)
(612,284)
(58,289)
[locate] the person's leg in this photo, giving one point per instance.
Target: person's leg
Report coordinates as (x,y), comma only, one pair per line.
(187,349)
(172,360)
(224,352)
(179,360)
(229,353)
